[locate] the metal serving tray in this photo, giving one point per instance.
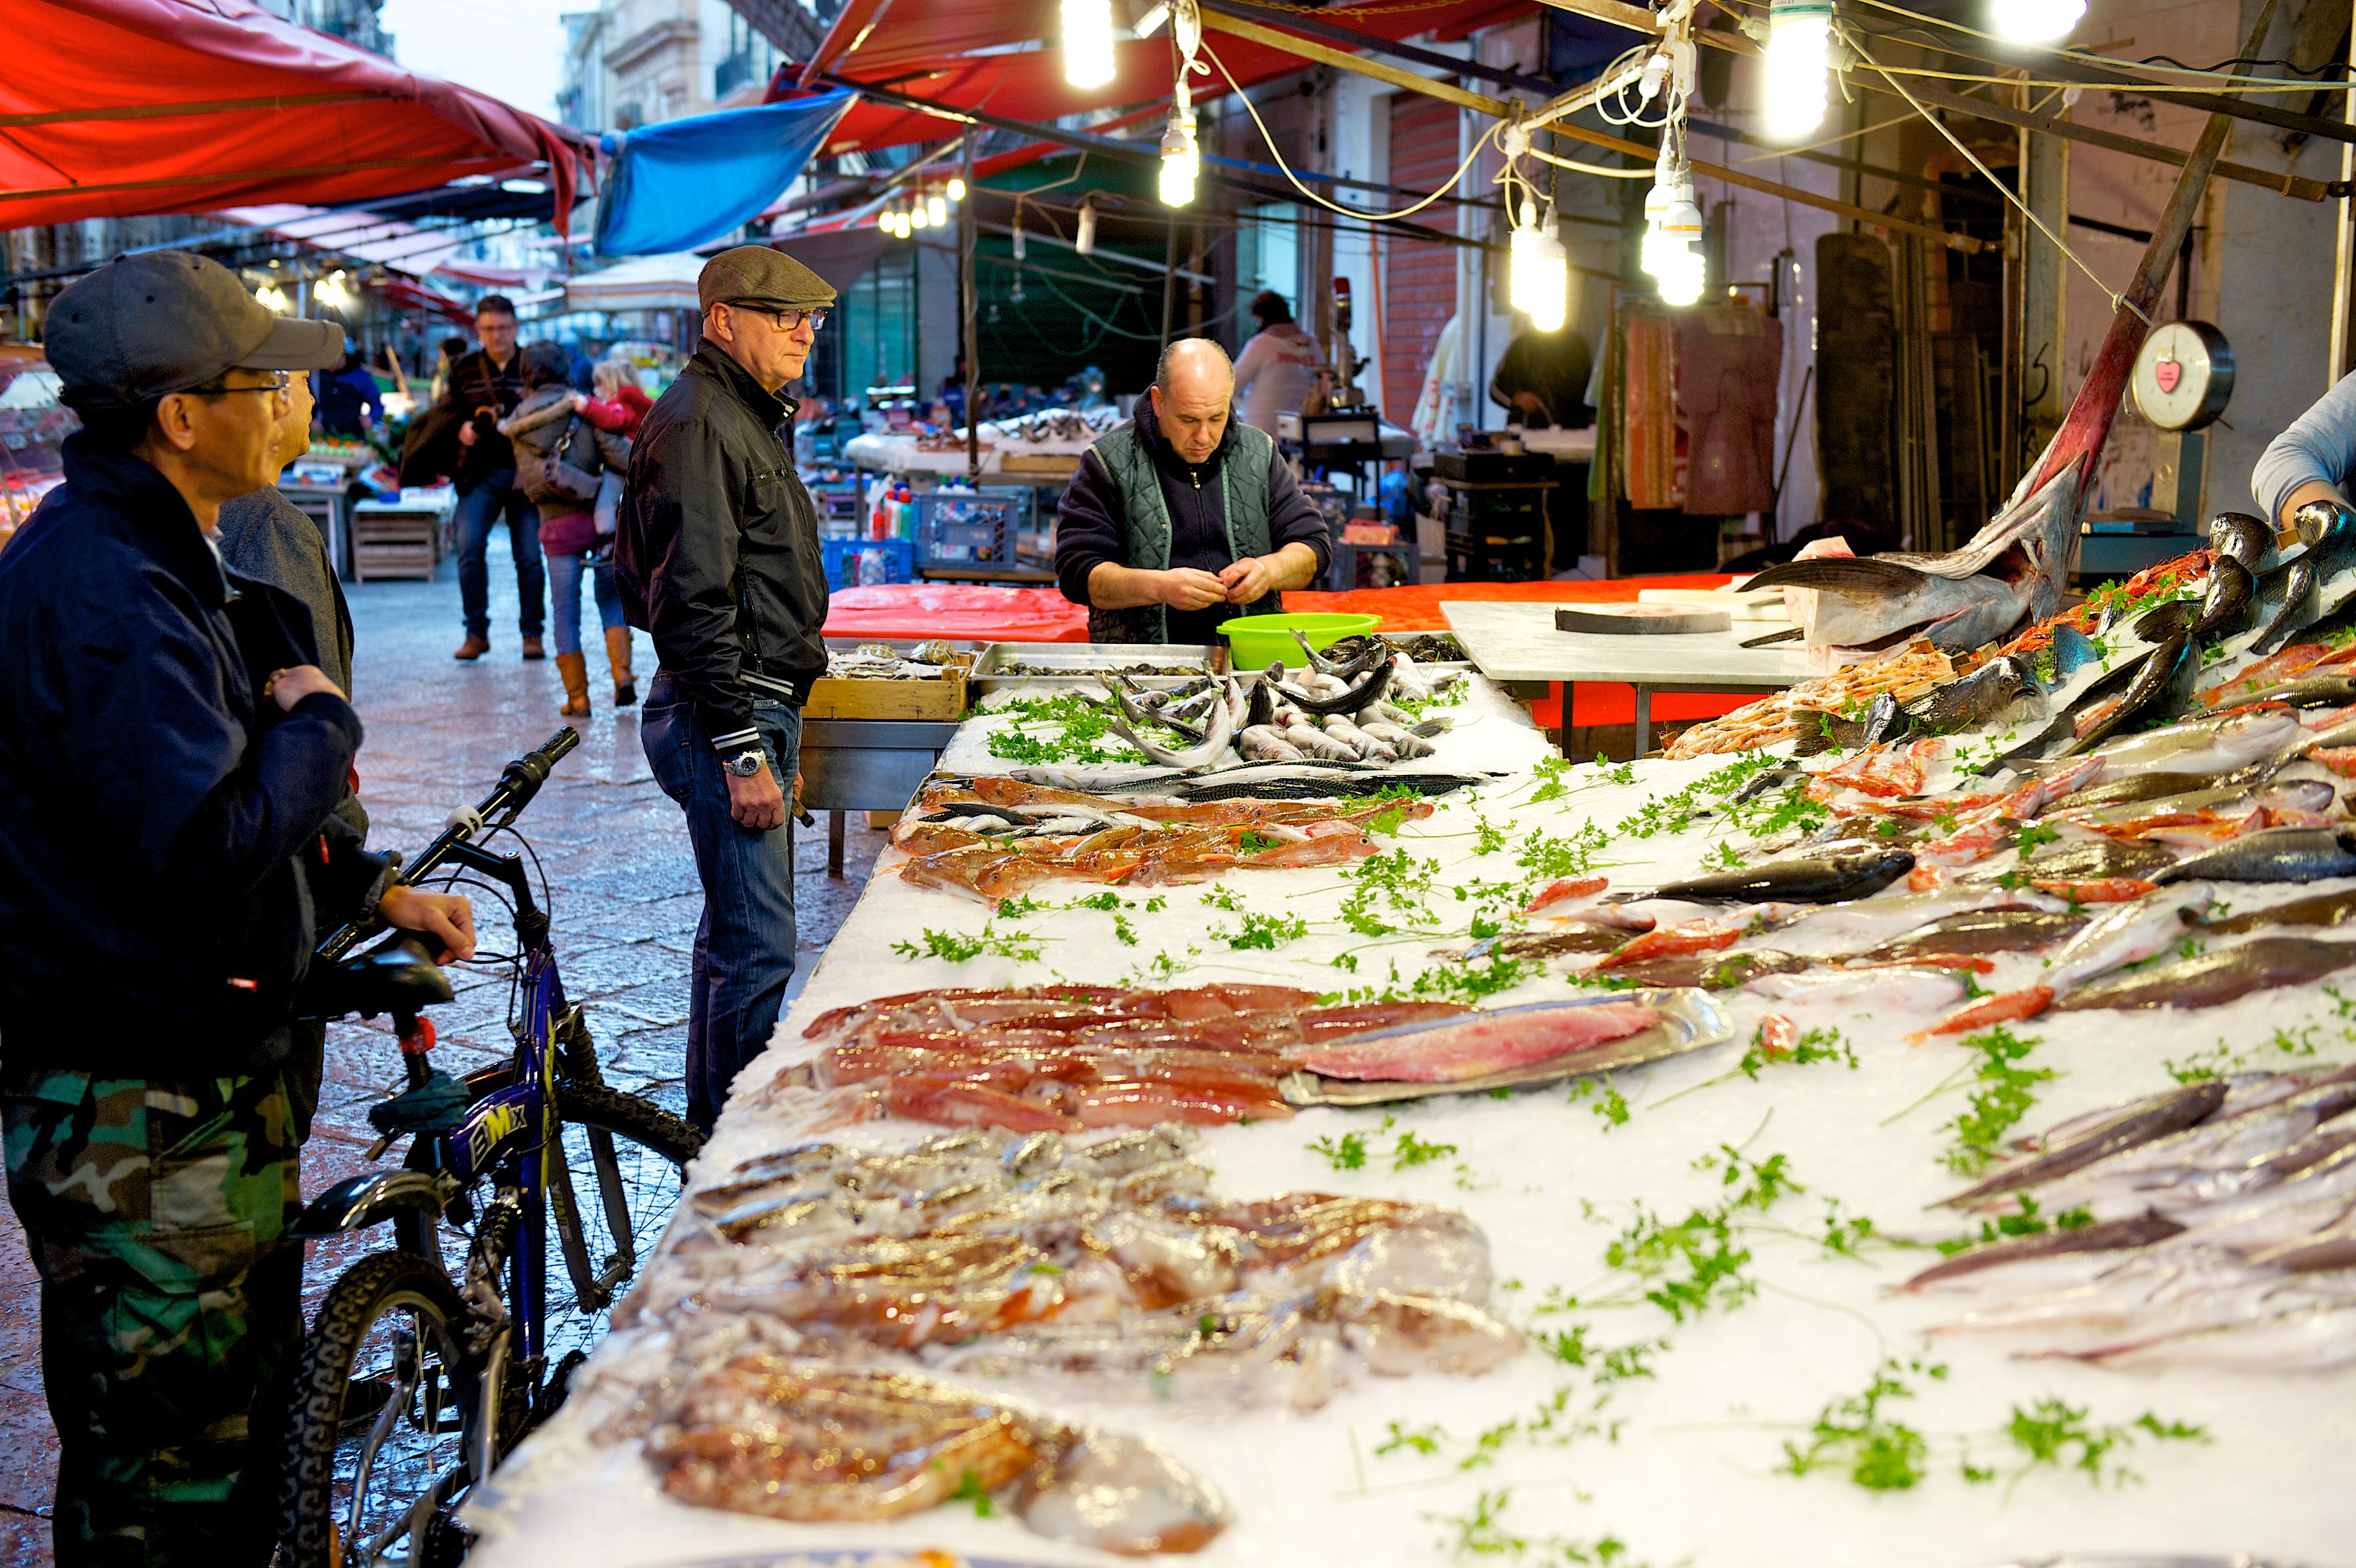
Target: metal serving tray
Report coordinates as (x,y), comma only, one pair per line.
(1082,662)
(1689,1021)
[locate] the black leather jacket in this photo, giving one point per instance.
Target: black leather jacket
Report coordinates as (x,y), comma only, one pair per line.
(164,830)
(716,549)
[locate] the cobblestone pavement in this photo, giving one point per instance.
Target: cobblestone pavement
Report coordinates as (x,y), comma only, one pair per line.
(622,891)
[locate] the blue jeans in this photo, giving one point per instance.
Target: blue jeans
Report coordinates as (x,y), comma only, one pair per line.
(564,574)
(479,510)
(744,943)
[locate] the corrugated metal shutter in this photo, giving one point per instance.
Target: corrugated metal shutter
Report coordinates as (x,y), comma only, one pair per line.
(1418,276)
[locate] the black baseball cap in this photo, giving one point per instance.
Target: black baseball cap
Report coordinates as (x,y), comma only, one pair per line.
(141,326)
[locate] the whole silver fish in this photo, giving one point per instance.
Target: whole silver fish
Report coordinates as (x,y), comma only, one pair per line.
(2127,933)
(2273,854)
(2133,1125)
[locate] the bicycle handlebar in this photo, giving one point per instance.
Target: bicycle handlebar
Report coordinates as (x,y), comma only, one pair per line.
(519,782)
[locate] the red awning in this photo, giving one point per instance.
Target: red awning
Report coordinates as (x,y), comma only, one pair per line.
(110,108)
(876,39)
(404,294)
(921,53)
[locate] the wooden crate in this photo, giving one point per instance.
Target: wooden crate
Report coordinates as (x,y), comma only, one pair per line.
(1039,463)
(944,698)
(395,545)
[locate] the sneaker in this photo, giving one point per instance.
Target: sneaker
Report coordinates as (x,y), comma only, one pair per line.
(533,649)
(474,648)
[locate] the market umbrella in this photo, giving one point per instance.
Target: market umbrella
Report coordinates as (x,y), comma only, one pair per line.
(110,108)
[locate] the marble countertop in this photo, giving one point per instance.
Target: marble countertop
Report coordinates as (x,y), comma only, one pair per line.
(1519,642)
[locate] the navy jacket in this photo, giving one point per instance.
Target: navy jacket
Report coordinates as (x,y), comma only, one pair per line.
(164,830)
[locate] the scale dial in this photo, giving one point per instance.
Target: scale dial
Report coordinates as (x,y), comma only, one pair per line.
(2184,375)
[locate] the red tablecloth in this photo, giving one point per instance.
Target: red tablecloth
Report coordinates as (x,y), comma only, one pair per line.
(1043,615)
(959,610)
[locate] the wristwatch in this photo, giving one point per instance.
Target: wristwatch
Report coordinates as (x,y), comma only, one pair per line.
(745,764)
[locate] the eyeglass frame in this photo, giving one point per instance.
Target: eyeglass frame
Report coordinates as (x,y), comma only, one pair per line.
(281,385)
(815,314)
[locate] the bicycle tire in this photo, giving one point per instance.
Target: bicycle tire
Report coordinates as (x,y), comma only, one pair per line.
(315,1489)
(651,1149)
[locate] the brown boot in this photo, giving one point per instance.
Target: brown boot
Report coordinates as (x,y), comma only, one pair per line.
(618,654)
(474,648)
(533,649)
(574,669)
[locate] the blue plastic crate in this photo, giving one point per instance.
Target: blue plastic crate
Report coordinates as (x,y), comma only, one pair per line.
(864,563)
(961,528)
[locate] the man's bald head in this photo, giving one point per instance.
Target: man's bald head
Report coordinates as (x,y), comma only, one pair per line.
(1193,391)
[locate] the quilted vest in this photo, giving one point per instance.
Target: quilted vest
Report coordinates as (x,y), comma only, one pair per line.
(1243,487)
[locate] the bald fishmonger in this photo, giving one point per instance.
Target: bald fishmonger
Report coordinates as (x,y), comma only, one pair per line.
(1182,515)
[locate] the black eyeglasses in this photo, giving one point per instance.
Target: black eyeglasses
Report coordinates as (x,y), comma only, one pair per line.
(786,317)
(279,385)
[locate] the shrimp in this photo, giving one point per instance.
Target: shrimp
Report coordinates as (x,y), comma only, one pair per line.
(2004,1008)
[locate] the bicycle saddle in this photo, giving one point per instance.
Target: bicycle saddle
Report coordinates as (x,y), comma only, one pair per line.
(397,976)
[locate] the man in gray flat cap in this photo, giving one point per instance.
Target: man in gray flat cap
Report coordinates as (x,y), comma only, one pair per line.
(717,555)
(169,851)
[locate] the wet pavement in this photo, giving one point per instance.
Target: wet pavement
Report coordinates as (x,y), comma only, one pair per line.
(622,889)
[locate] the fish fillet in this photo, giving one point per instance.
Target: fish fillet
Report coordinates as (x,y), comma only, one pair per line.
(1473,1048)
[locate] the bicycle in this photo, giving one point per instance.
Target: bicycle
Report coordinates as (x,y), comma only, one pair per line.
(414,1382)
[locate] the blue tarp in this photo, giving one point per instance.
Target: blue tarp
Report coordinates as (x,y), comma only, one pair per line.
(687,182)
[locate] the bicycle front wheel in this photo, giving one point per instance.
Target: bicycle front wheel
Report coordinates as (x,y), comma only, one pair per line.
(384,1391)
(624,1165)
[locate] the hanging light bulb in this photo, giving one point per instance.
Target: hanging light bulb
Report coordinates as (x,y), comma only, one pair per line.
(1680,271)
(1182,161)
(1656,207)
(1522,253)
(2035,21)
(1088,42)
(1084,239)
(917,217)
(1018,241)
(936,210)
(1799,59)
(1549,304)
(957,188)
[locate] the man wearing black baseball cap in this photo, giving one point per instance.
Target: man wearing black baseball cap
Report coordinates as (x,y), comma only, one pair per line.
(167,848)
(716,554)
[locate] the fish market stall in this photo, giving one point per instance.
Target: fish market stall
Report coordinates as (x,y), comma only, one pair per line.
(1894,1153)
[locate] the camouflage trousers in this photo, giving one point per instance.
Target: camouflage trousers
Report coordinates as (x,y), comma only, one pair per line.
(156,1210)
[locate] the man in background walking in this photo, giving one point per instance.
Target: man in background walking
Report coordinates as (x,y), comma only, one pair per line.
(717,555)
(484,387)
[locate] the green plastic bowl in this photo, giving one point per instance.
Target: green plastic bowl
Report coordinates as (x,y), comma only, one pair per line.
(1255,642)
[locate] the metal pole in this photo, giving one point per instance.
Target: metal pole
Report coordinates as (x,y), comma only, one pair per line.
(969,237)
(2344,245)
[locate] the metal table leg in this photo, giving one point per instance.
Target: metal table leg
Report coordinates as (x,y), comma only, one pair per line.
(1643,719)
(834,844)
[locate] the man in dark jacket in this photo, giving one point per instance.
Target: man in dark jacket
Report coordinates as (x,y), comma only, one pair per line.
(717,555)
(484,387)
(167,781)
(1184,516)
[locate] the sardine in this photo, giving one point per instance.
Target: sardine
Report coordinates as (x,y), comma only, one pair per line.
(2133,1125)
(2105,1236)
(2306,1338)
(2214,978)
(2307,692)
(1817,879)
(2272,854)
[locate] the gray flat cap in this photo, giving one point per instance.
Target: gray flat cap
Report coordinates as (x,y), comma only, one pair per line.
(140,326)
(762,276)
